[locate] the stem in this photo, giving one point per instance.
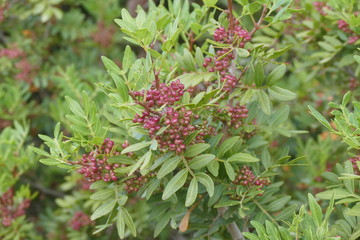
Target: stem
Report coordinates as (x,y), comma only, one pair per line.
(261,19)
(232,228)
(143,105)
(264,211)
(231,17)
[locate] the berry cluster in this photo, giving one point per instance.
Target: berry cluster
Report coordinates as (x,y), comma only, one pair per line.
(9,210)
(79,220)
(344,26)
(175,122)
(95,165)
(353,84)
(157,97)
(134,183)
(354,160)
(246,177)
(103,35)
(236,114)
(26,70)
(237,36)
(222,61)
(320,7)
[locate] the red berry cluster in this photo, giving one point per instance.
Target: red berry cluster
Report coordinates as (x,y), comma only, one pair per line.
(236,114)
(79,220)
(157,97)
(246,177)
(222,61)
(353,84)
(236,36)
(320,6)
(354,160)
(134,183)
(26,70)
(344,26)
(95,164)
(104,34)
(177,122)
(9,210)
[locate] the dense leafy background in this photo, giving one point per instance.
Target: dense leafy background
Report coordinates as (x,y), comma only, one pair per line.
(67,73)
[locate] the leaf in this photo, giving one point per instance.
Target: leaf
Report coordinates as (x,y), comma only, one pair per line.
(191,193)
(120,224)
(242,157)
(259,74)
(337,193)
(281,93)
(230,171)
(357,58)
(276,75)
(227,145)
(104,209)
(207,181)
(316,211)
(227,203)
(196,149)
(213,168)
(127,59)
(161,224)
(175,184)
(110,65)
(278,204)
(210,3)
(264,102)
(201,161)
(103,194)
(168,166)
(75,107)
(135,147)
(128,221)
(319,117)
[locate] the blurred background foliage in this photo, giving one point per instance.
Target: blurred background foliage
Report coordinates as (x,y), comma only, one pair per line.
(50,49)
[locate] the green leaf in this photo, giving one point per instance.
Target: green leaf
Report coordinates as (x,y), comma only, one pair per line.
(242,157)
(110,65)
(120,224)
(191,193)
(213,168)
(49,161)
(281,94)
(357,59)
(168,166)
(201,161)
(316,211)
(227,203)
(175,184)
(210,3)
(104,209)
(103,194)
(128,221)
(346,99)
(207,181)
(259,74)
(161,224)
(230,171)
(264,102)
(121,86)
(135,147)
(128,58)
(227,145)
(75,107)
(276,75)
(278,204)
(196,149)
(337,193)
(319,117)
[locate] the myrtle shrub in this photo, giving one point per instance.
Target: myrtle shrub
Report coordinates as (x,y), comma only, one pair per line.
(199,130)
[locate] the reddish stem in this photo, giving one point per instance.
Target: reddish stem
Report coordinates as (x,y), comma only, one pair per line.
(231,17)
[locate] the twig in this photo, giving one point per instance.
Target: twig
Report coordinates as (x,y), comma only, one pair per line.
(258,23)
(143,105)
